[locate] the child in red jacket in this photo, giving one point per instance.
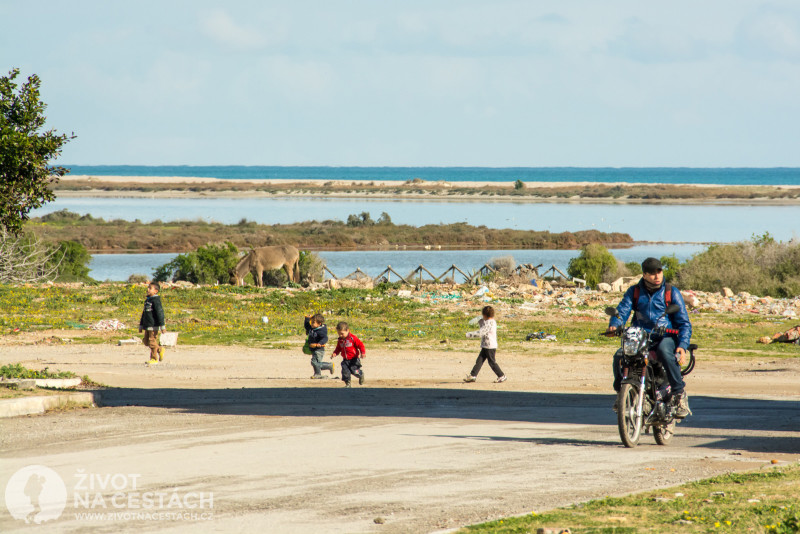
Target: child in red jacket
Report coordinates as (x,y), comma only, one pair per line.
(352,350)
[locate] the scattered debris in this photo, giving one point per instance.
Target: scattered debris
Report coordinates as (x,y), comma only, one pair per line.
(790,336)
(108,324)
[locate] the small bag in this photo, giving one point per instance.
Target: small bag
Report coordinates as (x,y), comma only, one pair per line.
(307,348)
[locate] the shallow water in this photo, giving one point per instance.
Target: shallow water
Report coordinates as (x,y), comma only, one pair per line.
(118,267)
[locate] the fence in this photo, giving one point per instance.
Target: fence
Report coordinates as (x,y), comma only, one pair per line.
(423,274)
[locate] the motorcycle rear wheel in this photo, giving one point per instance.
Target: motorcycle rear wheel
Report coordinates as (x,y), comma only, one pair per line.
(628,422)
(663,434)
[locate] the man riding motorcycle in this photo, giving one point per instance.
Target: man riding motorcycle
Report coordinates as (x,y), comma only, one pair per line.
(650,298)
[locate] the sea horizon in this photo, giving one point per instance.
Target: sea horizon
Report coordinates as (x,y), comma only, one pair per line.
(774,176)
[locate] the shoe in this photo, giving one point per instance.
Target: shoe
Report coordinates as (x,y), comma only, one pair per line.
(152,362)
(347,384)
(682,403)
(361,378)
(160,353)
(316,377)
(616,405)
(470,378)
(501,379)
(333,367)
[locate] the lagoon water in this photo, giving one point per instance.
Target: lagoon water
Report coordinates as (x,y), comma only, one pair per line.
(648,175)
(118,267)
(667,222)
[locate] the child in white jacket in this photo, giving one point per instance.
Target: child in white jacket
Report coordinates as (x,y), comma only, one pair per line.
(488,333)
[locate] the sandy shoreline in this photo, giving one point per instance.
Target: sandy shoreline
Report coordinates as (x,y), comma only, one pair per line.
(116,187)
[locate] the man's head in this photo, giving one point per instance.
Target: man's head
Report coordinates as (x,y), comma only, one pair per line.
(342,329)
(652,271)
(317,320)
(153,288)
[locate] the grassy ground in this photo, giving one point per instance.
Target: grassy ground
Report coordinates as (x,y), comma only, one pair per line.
(228,315)
(762,501)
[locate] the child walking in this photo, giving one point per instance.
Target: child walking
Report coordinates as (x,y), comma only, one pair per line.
(352,350)
(152,323)
(488,333)
(317,337)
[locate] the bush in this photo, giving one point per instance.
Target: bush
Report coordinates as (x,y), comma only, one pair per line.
(518,185)
(74,259)
(593,263)
(138,279)
(761,267)
(504,265)
(672,268)
(311,266)
(211,264)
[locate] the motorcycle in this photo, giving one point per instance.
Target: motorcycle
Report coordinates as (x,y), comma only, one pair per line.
(644,400)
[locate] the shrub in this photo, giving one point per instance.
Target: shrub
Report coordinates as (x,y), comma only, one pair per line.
(311,266)
(73,262)
(672,268)
(518,185)
(504,264)
(592,264)
(138,279)
(760,267)
(211,264)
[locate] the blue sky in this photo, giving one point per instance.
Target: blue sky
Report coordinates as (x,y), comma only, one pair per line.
(418,83)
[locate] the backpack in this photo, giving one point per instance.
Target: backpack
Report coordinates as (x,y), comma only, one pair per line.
(667,295)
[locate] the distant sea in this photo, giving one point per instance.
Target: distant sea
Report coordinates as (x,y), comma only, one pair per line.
(667,175)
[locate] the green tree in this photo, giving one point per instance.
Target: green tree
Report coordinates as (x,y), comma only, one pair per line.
(518,185)
(592,263)
(25,150)
(672,268)
(73,259)
(211,264)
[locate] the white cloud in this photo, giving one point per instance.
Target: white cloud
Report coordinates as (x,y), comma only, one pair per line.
(770,34)
(221,28)
(647,43)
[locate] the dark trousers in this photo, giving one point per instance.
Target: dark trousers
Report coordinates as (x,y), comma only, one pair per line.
(487,354)
(351,367)
(666,355)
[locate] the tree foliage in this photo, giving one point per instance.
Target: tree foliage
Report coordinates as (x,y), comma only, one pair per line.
(593,262)
(210,264)
(25,150)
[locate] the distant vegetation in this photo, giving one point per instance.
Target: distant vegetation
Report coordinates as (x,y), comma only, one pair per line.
(642,192)
(359,232)
(761,266)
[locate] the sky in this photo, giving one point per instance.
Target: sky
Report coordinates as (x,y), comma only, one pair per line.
(498,83)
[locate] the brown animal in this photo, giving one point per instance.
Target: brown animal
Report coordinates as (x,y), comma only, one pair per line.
(263,259)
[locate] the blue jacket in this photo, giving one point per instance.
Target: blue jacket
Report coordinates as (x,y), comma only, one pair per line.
(316,335)
(650,309)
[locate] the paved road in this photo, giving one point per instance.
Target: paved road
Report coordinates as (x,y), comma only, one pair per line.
(322,459)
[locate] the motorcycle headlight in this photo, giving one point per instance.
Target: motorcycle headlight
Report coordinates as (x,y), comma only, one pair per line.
(633,341)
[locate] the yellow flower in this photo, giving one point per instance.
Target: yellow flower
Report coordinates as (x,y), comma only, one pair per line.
(716,524)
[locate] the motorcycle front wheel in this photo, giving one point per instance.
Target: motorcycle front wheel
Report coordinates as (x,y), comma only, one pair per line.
(629,423)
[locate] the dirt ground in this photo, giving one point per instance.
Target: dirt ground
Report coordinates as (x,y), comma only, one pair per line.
(412,450)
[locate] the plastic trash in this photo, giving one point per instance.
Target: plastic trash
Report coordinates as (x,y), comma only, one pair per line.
(474,320)
(265,319)
(476,333)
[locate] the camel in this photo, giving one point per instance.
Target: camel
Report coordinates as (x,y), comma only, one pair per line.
(263,259)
